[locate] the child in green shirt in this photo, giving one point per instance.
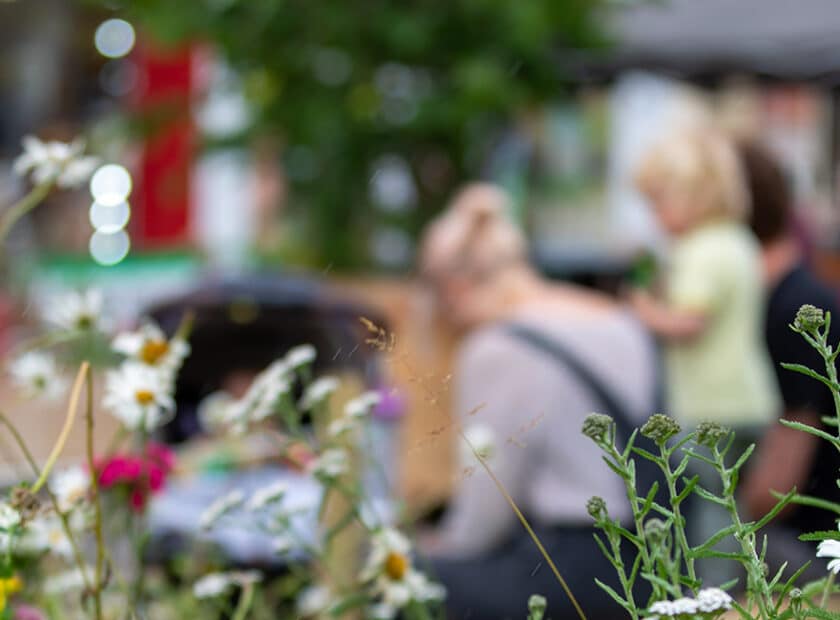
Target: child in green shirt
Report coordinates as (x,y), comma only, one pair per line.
(710,310)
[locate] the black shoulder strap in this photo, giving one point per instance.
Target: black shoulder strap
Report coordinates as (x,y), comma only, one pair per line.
(612,406)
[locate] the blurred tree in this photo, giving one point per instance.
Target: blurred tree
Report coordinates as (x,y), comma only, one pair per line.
(383,106)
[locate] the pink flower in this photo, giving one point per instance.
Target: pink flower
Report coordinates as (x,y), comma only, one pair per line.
(141,475)
(27,612)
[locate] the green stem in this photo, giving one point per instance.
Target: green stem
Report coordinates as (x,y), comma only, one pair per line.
(679,525)
(757,585)
(35,196)
(829,582)
(246,599)
(632,497)
(65,431)
(100,541)
(615,543)
(78,558)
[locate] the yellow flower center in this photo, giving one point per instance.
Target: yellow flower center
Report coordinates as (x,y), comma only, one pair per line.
(396,566)
(144,397)
(153,351)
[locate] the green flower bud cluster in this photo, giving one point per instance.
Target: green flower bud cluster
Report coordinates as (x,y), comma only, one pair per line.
(597,426)
(660,428)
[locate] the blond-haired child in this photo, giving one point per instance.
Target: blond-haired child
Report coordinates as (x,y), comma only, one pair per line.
(710,311)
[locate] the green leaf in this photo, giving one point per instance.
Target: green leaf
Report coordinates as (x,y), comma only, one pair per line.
(662,583)
(808,500)
(783,501)
(700,457)
(741,611)
(820,614)
(649,499)
(743,458)
(689,487)
(615,596)
(715,539)
(806,428)
(708,496)
(649,456)
(825,535)
(629,447)
(814,375)
(618,471)
(724,555)
(778,575)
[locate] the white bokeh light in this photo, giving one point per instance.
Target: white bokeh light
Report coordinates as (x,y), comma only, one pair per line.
(109,248)
(109,219)
(110,185)
(114,38)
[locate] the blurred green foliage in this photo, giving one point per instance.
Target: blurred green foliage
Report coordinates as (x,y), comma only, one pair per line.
(342,83)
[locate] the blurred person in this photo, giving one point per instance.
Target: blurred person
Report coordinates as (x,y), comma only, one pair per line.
(709,315)
(787,458)
(535,359)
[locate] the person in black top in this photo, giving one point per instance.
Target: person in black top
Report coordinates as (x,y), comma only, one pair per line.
(785,457)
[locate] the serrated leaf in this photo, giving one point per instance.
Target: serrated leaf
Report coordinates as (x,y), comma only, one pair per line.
(824,535)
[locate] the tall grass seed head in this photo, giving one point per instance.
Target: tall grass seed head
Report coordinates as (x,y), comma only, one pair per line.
(597,426)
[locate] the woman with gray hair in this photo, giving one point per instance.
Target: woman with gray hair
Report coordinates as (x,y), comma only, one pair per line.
(537,357)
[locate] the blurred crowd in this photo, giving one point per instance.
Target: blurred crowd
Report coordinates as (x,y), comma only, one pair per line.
(702,339)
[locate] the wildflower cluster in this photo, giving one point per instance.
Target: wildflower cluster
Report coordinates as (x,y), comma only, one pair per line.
(140,393)
(334,458)
(709,603)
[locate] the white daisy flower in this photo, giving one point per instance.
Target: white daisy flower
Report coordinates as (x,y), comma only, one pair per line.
(318,391)
(270,494)
(70,486)
(713,599)
(481,440)
(55,161)
(76,310)
(362,405)
(219,508)
(300,356)
(386,544)
(313,601)
(395,582)
(331,464)
(46,533)
(150,346)
(830,549)
(216,584)
(36,374)
(9,517)
(139,396)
